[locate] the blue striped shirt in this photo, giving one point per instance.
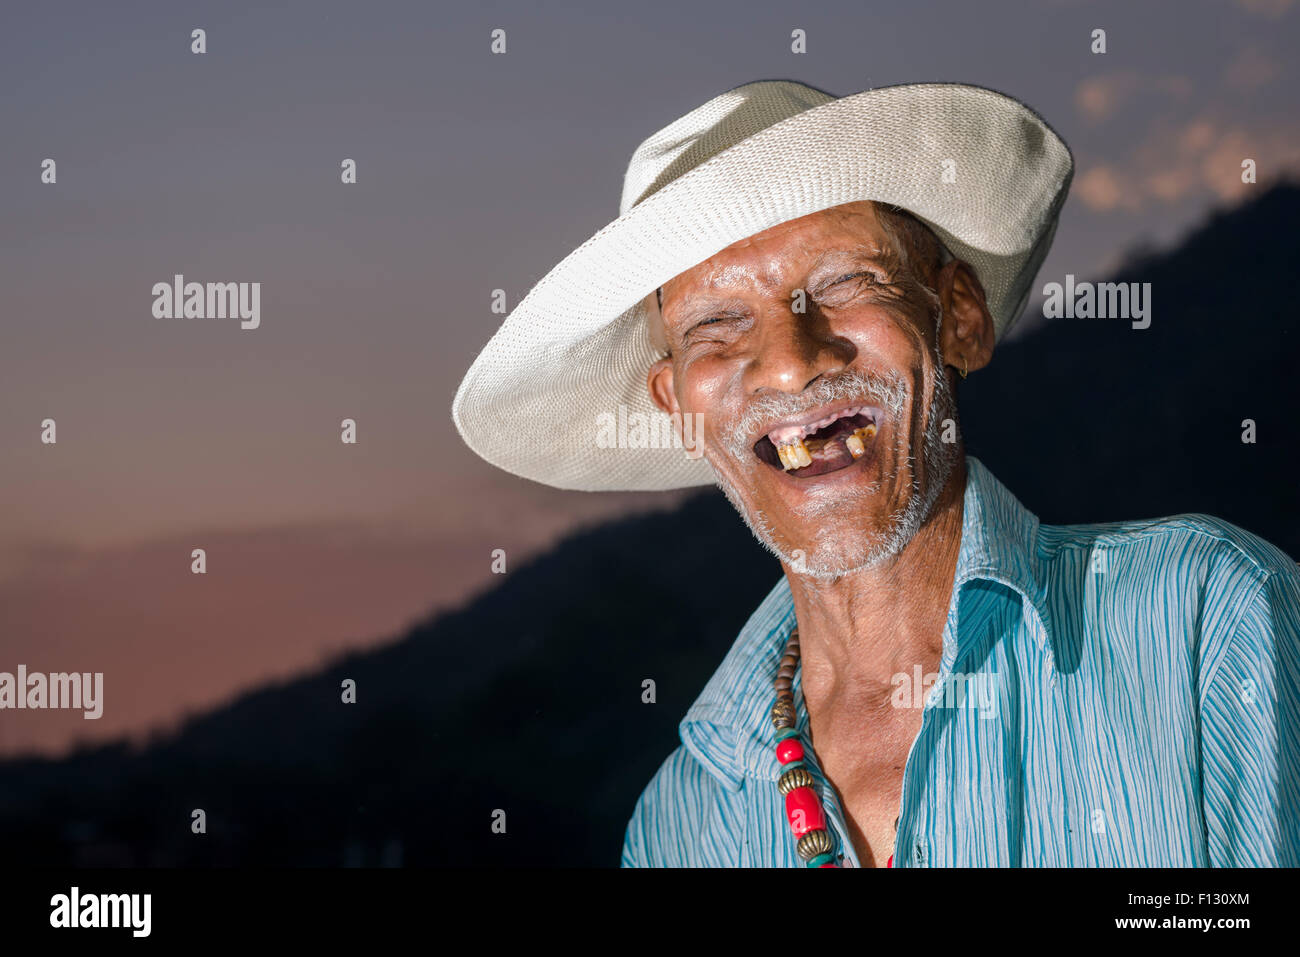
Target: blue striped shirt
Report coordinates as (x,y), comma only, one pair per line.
(1131,699)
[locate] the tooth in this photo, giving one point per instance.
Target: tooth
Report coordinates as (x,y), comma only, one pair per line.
(855,446)
(794,454)
(867,431)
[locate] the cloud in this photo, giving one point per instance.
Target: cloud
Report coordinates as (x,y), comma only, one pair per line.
(1099,98)
(1178,160)
(1251,69)
(1266,8)
(1103,188)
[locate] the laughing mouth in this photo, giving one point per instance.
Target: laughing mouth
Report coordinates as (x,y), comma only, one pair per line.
(825,445)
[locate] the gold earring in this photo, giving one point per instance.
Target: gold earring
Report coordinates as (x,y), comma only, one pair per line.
(964,369)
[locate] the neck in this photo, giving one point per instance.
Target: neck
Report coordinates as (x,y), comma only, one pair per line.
(858,631)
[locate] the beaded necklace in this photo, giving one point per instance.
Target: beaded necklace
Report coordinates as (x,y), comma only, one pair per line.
(803,808)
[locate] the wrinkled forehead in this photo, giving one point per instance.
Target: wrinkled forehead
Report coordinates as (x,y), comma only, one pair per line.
(848,231)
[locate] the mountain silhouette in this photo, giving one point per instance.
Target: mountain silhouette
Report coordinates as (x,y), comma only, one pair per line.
(525,706)
(1092,420)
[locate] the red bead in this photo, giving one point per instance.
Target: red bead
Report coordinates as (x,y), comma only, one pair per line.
(891,861)
(804,810)
(789,750)
(828,864)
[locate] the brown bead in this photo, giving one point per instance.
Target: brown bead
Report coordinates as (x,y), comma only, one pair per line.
(783,714)
(783,684)
(794,778)
(814,843)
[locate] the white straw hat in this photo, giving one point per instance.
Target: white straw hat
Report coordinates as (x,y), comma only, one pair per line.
(981,169)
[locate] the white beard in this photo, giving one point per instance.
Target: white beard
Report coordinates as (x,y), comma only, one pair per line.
(831,554)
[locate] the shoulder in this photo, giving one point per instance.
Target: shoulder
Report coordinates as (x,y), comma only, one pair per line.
(1180,548)
(1205,582)
(1265,635)
(669,826)
(1249,677)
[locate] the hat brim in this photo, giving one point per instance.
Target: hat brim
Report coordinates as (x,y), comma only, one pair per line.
(985,172)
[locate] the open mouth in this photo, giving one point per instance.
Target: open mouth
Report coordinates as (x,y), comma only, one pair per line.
(819,447)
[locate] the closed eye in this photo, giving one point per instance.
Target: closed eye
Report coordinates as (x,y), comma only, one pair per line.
(845,290)
(710,320)
(854,275)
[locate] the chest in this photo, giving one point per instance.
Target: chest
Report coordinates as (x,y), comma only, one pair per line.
(1051,775)
(864,761)
(861,762)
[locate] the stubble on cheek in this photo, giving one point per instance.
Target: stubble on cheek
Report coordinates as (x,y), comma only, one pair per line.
(847,530)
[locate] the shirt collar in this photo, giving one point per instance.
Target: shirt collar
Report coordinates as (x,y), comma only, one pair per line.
(727,729)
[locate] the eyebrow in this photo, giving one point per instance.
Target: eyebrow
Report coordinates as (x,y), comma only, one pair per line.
(832,259)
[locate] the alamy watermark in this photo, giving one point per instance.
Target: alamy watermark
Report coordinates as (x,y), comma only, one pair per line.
(977,691)
(57,690)
(75,909)
(1103,300)
(179,299)
(626,429)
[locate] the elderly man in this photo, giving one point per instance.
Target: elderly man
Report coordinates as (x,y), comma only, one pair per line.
(937,679)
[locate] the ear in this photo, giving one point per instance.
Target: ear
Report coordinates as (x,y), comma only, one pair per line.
(966,331)
(659,382)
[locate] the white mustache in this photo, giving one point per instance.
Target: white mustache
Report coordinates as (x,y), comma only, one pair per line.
(888,392)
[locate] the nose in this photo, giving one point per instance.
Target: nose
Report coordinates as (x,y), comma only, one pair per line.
(792,349)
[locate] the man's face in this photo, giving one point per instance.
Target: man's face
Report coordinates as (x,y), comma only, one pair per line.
(857,378)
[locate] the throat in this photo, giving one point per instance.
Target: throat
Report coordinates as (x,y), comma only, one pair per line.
(860,630)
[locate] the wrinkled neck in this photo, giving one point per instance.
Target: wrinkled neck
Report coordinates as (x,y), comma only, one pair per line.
(863,628)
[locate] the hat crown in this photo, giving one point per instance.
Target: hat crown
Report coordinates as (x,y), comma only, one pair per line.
(710,129)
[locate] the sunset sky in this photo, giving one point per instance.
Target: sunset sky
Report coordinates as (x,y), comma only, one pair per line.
(475,172)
